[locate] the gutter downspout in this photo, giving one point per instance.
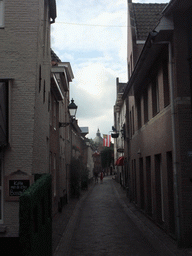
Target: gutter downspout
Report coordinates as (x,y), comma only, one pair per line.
(175,163)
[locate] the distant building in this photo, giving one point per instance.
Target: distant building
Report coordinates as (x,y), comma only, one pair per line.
(119,124)
(98,139)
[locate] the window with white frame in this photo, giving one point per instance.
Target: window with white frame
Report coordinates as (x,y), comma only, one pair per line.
(1,13)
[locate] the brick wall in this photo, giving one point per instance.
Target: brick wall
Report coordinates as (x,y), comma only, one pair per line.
(25,45)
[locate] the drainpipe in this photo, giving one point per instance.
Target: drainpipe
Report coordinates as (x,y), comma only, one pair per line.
(175,163)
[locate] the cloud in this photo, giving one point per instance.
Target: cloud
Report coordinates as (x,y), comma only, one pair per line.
(150,1)
(96,85)
(95,96)
(92,36)
(87,27)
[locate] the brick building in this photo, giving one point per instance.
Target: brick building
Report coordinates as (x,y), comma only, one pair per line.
(119,127)
(60,145)
(25,86)
(158,140)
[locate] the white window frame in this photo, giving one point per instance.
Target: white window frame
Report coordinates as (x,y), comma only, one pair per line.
(2,10)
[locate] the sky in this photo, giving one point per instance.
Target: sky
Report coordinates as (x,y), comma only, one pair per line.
(92,36)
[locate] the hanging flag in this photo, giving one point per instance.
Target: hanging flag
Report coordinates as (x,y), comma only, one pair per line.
(106,140)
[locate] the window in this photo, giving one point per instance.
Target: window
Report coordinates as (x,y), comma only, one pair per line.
(54,175)
(40,78)
(134,181)
(49,102)
(1,13)
(4,108)
(131,61)
(1,193)
(159,189)
(44,25)
(155,96)
(54,113)
(139,113)
(130,124)
(142,194)
(5,111)
(166,83)
(129,71)
(44,92)
(133,127)
(170,192)
(148,179)
(145,97)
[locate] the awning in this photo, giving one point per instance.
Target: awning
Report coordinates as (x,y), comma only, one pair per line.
(120,161)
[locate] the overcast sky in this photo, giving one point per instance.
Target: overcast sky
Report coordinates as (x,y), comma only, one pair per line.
(92,36)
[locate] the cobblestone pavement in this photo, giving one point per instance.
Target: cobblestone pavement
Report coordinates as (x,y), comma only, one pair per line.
(63,220)
(105,223)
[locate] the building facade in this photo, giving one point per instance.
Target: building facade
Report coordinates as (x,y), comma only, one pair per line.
(60,146)
(25,83)
(158,137)
(119,129)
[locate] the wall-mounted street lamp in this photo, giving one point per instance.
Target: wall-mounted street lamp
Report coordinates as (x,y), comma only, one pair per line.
(72,111)
(115,133)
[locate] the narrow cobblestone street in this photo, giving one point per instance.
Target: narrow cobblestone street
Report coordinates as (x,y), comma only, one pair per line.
(104,228)
(103,225)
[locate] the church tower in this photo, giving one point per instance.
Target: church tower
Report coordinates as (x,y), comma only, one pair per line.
(98,139)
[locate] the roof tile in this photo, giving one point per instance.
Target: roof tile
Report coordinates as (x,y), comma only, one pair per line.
(146,17)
